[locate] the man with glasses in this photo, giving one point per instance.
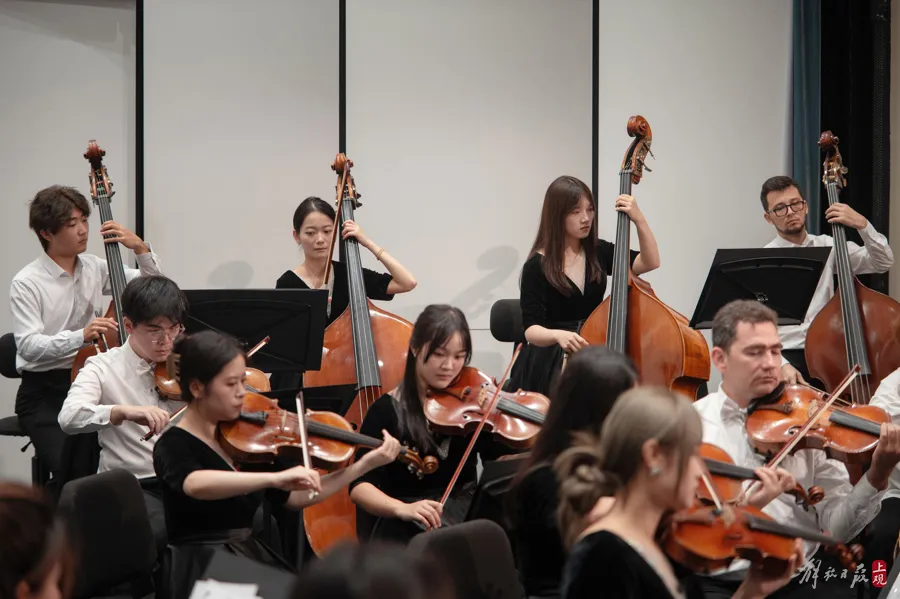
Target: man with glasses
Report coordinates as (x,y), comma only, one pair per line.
(115,392)
(786,210)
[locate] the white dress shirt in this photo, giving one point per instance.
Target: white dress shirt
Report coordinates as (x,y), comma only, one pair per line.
(887,397)
(115,377)
(50,307)
(874,257)
(844,512)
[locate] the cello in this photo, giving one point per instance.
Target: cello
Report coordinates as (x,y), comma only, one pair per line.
(857,325)
(366,347)
(632,320)
(102,193)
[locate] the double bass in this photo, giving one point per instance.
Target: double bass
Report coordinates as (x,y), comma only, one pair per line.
(632,320)
(102,193)
(857,325)
(365,347)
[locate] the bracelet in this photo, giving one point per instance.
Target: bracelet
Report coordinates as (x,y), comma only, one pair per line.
(378,255)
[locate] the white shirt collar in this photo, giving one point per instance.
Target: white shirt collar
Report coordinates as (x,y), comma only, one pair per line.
(140,365)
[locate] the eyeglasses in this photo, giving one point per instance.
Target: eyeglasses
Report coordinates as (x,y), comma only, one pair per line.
(159,336)
(781,209)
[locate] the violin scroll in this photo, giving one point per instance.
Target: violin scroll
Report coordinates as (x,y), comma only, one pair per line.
(635,156)
(850,556)
(833,169)
(416,464)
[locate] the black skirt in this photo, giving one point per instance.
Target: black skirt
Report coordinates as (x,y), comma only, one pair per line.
(537,368)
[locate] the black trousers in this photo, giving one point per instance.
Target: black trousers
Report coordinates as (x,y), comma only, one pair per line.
(38,401)
(810,584)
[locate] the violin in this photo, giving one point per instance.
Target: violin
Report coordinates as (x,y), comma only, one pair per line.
(857,325)
(263,432)
(848,433)
(365,347)
(727,479)
(102,193)
(706,539)
(458,409)
(632,320)
(167,386)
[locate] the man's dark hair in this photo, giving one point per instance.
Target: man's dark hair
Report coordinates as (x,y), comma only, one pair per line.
(724,329)
(151,296)
(779,183)
(52,207)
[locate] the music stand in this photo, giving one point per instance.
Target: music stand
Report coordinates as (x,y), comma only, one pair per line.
(272,582)
(784,279)
(294,320)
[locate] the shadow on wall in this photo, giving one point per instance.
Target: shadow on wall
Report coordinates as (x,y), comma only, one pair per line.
(100,29)
(477,298)
(236,274)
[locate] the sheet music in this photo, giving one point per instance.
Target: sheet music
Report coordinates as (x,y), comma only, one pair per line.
(213,589)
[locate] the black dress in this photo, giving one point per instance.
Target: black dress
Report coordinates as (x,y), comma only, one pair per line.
(602,565)
(542,304)
(376,287)
(537,544)
(197,527)
(397,481)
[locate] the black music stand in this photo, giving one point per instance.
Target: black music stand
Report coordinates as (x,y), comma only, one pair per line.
(784,279)
(294,320)
(272,583)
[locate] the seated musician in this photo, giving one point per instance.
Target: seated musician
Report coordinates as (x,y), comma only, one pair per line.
(786,210)
(57,307)
(36,561)
(313,226)
(646,456)
(881,539)
(594,378)
(115,392)
(564,278)
(393,502)
(209,504)
(747,351)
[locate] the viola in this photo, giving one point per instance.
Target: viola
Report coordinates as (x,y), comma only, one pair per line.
(846,433)
(365,347)
(263,432)
(459,408)
(706,539)
(727,479)
(857,325)
(102,193)
(632,320)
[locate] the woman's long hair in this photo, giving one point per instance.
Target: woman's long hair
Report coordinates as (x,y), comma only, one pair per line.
(593,380)
(561,199)
(434,327)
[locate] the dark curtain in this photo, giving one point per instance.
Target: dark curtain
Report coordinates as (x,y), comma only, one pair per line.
(806,102)
(855,101)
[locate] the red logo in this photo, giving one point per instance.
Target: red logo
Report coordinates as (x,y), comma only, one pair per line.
(879,573)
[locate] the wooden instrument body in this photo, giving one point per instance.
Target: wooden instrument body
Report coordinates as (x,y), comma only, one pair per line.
(826,339)
(89,351)
(773,425)
(665,350)
(459,408)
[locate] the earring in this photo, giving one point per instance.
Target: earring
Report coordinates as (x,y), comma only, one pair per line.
(655,470)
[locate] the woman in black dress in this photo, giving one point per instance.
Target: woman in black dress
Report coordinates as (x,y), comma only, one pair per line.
(647,457)
(209,503)
(392,502)
(313,226)
(585,393)
(564,278)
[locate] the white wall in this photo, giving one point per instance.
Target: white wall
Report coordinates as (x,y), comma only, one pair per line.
(241,122)
(713,80)
(68,76)
(458,117)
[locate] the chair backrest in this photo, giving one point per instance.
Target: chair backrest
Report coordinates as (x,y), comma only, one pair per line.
(477,555)
(110,529)
(506,321)
(8,356)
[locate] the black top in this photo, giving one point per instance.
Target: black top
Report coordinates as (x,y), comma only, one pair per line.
(178,453)
(376,287)
(543,304)
(602,564)
(538,545)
